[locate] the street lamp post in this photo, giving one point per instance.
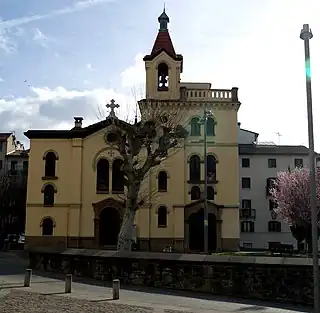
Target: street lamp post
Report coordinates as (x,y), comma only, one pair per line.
(306,35)
(206,114)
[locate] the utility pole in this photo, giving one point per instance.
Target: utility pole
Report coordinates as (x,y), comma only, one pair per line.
(306,35)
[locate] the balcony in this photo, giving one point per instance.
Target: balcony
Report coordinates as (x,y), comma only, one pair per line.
(223,95)
(246,214)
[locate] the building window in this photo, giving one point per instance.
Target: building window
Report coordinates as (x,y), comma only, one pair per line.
(194,169)
(211,169)
(117,176)
(102,184)
(210,127)
(195,193)
(210,193)
(247,245)
(47,227)
(298,162)
(247,227)
(162,216)
(48,195)
(25,165)
(162,181)
(246,182)
(274,227)
(270,185)
(245,162)
(195,127)
(1,146)
(272,205)
(272,163)
(50,164)
(246,203)
(1,164)
(13,166)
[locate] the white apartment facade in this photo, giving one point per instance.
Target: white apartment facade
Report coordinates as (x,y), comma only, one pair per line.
(258,164)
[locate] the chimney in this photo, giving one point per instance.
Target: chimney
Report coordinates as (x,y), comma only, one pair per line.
(78,122)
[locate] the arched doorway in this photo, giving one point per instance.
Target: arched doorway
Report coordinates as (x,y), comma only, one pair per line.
(109,226)
(196,230)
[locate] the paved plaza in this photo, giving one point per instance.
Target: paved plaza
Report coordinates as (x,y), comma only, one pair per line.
(47,295)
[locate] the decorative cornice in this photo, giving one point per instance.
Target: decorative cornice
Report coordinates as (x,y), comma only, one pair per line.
(56,205)
(214,103)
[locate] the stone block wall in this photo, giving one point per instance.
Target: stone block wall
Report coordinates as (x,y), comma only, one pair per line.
(276,279)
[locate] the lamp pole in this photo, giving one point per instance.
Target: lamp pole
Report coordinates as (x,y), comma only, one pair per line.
(306,35)
(205,213)
(206,114)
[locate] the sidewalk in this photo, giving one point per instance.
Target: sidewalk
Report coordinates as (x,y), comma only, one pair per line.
(154,302)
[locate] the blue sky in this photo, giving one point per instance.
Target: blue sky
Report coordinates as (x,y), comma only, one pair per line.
(76,55)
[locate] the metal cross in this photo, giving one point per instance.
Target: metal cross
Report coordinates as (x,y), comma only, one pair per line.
(112,105)
(111,153)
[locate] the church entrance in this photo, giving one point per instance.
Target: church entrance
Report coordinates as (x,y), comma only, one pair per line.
(196,230)
(109,227)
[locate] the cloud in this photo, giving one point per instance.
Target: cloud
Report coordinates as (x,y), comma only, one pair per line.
(134,75)
(7,43)
(55,108)
(90,67)
(1,80)
(40,38)
(77,6)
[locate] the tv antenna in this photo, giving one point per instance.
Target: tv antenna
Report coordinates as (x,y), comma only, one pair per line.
(279,137)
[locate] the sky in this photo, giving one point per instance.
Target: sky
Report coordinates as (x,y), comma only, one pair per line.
(66,58)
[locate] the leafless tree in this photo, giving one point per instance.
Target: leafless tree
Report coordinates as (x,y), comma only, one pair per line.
(142,146)
(12,201)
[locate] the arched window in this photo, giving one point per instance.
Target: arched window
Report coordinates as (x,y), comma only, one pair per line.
(195,193)
(117,176)
(50,164)
(47,227)
(211,169)
(210,193)
(194,169)
(162,181)
(163,77)
(195,127)
(162,216)
(103,175)
(210,127)
(48,195)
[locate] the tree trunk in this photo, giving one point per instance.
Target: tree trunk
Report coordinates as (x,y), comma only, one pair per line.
(126,230)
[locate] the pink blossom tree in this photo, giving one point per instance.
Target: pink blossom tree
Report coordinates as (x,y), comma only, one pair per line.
(291,193)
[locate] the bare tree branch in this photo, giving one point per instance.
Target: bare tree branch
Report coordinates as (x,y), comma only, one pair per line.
(143,145)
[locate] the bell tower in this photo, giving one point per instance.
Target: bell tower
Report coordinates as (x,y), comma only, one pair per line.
(163,66)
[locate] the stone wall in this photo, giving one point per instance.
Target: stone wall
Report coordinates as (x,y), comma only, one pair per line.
(264,278)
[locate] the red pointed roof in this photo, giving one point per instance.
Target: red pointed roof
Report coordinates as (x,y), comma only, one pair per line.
(163,43)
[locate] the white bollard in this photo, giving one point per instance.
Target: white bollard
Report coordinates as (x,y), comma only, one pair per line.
(27,278)
(116,289)
(68,282)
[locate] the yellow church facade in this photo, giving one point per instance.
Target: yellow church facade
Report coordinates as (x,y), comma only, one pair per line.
(75,183)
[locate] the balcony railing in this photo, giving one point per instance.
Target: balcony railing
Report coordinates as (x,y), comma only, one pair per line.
(229,95)
(247,214)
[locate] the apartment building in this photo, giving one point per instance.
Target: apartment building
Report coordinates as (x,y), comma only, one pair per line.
(16,162)
(258,165)
(7,145)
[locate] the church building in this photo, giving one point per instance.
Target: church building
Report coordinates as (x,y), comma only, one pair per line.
(76,188)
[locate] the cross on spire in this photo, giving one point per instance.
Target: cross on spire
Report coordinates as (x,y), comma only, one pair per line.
(112,105)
